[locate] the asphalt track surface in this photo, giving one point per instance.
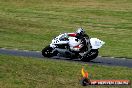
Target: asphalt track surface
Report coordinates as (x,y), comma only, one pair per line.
(99,60)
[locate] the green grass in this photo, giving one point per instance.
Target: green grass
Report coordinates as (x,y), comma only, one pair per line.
(22,72)
(31,24)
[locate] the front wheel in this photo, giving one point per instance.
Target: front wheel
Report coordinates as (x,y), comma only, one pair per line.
(47,51)
(90,56)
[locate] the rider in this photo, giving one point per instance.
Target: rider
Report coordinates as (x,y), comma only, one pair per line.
(80,33)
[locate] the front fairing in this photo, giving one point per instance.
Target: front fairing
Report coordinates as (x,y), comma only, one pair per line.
(60,39)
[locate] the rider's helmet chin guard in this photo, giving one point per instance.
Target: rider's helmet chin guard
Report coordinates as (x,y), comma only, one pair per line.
(80,31)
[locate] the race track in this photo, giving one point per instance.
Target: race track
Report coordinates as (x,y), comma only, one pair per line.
(99,60)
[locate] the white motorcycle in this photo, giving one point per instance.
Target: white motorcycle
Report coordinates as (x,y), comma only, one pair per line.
(71,47)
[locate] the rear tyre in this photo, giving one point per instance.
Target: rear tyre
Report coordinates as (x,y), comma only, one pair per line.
(91,55)
(47,51)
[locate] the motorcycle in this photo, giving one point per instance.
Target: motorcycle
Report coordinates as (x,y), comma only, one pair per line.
(85,49)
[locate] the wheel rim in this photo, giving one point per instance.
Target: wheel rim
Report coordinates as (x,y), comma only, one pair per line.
(92,53)
(90,56)
(48,52)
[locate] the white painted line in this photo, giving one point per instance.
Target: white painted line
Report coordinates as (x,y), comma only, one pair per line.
(3,48)
(26,50)
(15,49)
(123,58)
(99,56)
(37,51)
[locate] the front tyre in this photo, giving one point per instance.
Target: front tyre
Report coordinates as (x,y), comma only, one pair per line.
(47,51)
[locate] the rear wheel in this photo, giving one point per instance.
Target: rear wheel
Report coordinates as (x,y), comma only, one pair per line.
(90,56)
(47,51)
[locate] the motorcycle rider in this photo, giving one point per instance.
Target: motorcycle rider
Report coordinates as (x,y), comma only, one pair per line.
(79,34)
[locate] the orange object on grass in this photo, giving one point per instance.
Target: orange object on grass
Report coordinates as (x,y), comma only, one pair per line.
(84,74)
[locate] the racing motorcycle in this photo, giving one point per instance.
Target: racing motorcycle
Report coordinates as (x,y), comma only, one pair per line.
(85,49)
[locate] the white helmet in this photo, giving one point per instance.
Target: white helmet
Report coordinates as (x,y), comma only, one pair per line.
(80,31)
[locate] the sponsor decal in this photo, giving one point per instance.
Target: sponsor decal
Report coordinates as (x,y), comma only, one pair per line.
(86,81)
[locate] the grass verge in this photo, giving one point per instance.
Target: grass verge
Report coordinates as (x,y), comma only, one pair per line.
(22,72)
(31,24)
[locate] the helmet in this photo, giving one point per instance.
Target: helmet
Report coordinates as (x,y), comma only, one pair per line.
(80,31)
(66,35)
